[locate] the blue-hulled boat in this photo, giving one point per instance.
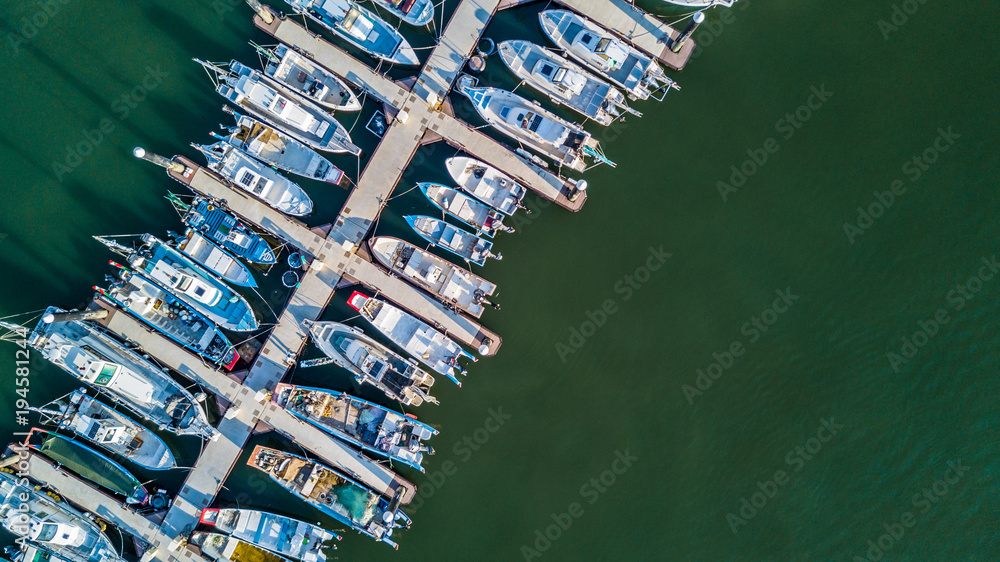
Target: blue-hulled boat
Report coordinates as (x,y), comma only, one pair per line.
(153,305)
(189,281)
(333,493)
(359,422)
(225,229)
(457,241)
(485,220)
(359,27)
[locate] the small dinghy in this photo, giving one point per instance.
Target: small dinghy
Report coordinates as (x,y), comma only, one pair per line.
(466,245)
(473,213)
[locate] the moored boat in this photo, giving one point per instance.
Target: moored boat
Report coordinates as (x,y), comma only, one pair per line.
(277,149)
(308,79)
(230,549)
(257,179)
(189,281)
(212,257)
(361,423)
(457,241)
(610,56)
(413,12)
(485,220)
(89,354)
(400,378)
(359,27)
(537,128)
(109,429)
(58,527)
(88,464)
(564,81)
(452,285)
(153,305)
(225,229)
(266,99)
(486,183)
(332,492)
(413,335)
(282,535)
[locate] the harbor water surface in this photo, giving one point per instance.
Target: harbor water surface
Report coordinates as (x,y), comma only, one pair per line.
(766,336)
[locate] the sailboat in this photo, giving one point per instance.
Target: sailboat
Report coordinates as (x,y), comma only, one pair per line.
(224,229)
(359,27)
(486,183)
(257,179)
(359,422)
(265,98)
(457,241)
(279,534)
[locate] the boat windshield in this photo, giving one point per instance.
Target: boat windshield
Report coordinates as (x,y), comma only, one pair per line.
(47,533)
(106,375)
(602,45)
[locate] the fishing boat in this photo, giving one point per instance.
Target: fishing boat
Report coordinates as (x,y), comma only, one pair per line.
(230,549)
(701,3)
(485,220)
(457,241)
(529,124)
(89,354)
(401,379)
(361,423)
(282,535)
(564,81)
(266,99)
(486,183)
(212,257)
(277,149)
(413,335)
(452,285)
(224,229)
(60,528)
(609,56)
(151,304)
(308,79)
(360,28)
(256,178)
(111,430)
(414,12)
(333,493)
(88,464)
(188,280)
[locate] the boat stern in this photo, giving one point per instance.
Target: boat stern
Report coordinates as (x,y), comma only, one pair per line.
(357,300)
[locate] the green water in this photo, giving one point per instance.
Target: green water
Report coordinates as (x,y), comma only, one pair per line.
(575,398)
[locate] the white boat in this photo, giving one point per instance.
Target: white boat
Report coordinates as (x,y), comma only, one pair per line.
(215,259)
(267,99)
(564,82)
(701,3)
(277,149)
(533,126)
(400,378)
(359,27)
(464,244)
(485,220)
(108,429)
(257,179)
(415,336)
(607,54)
(59,528)
(486,183)
(452,285)
(90,355)
(283,535)
(309,79)
(413,12)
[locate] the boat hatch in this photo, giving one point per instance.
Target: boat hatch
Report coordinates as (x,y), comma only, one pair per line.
(504,112)
(106,375)
(602,45)
(247,178)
